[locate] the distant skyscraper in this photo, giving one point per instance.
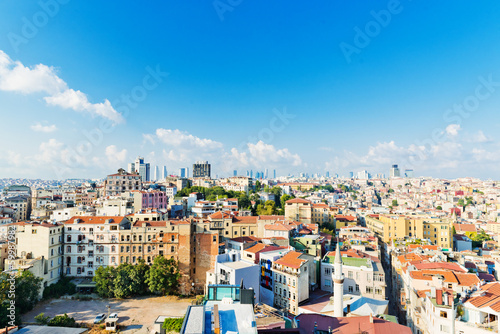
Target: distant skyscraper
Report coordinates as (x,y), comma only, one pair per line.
(201,169)
(156,175)
(251,174)
(363,175)
(327,174)
(235,172)
(351,175)
(409,173)
(141,168)
(274,172)
(266,174)
(183,172)
(395,171)
(164,173)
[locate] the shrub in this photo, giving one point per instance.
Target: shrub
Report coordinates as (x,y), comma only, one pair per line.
(62,287)
(62,321)
(173,324)
(42,319)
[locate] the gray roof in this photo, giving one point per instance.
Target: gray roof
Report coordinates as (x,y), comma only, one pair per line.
(50,330)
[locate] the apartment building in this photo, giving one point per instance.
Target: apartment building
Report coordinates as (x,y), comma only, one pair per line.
(230,226)
(21,205)
(291,281)
(230,269)
(299,209)
(116,184)
(152,199)
(400,227)
(36,240)
(90,242)
(363,276)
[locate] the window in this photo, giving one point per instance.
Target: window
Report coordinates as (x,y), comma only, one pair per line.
(328,282)
(68,249)
(328,271)
(357,287)
(443,314)
(69,238)
(351,289)
(350,275)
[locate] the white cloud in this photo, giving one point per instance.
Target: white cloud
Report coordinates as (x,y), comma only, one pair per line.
(266,153)
(38,127)
(50,151)
(480,137)
(453,129)
(15,77)
(114,155)
(178,138)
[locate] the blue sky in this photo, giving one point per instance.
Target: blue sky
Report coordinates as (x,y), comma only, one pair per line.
(232,69)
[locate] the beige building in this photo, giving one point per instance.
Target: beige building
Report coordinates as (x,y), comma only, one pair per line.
(299,209)
(121,182)
(42,240)
(400,227)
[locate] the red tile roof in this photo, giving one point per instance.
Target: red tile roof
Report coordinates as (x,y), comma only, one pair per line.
(291,259)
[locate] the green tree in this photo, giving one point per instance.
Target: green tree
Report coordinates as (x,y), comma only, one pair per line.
(173,324)
(461,202)
(439,207)
(105,281)
(163,276)
(258,185)
(122,284)
(244,202)
(27,290)
(390,190)
(285,198)
(42,319)
(394,203)
(62,321)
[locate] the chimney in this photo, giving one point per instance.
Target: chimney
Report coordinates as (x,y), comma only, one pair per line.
(433,292)
(371,318)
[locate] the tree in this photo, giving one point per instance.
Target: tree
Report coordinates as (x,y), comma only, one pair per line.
(62,321)
(105,281)
(390,190)
(394,202)
(258,185)
(461,202)
(122,284)
(27,290)
(285,198)
(439,207)
(163,276)
(244,202)
(173,324)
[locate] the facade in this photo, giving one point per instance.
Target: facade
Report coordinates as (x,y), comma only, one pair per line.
(90,242)
(121,182)
(201,169)
(42,240)
(299,210)
(21,205)
(291,281)
(362,276)
(399,227)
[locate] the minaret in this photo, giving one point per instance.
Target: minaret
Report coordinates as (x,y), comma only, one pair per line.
(338,284)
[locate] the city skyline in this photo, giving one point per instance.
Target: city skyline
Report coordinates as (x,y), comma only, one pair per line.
(247,95)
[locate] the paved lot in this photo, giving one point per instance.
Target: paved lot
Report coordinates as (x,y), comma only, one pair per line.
(138,313)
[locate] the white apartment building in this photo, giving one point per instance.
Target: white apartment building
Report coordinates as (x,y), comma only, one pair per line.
(291,281)
(231,269)
(90,242)
(362,276)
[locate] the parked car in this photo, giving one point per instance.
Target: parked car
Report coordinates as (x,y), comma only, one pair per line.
(113,316)
(99,318)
